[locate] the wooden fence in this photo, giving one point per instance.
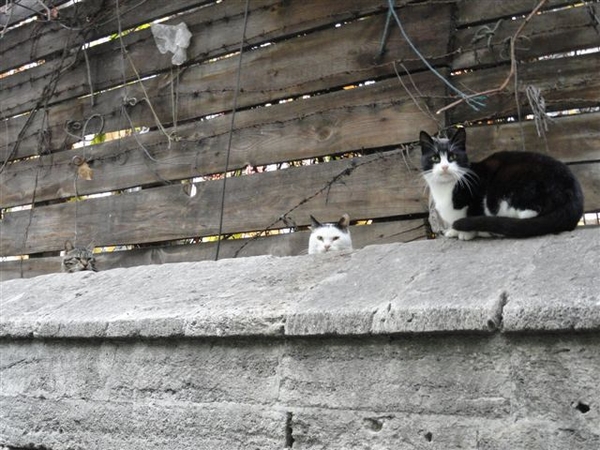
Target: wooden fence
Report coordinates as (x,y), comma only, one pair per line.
(309,107)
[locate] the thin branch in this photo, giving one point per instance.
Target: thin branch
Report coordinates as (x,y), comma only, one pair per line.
(513,65)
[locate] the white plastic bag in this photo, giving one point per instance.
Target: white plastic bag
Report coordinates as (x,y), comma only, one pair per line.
(174,39)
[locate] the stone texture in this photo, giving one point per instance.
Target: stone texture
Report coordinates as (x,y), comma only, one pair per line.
(558,286)
(424,375)
(445,391)
(490,344)
(178,371)
(547,283)
(83,424)
(367,430)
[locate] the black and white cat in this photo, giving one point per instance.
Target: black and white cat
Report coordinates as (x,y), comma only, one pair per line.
(77,259)
(329,237)
(513,194)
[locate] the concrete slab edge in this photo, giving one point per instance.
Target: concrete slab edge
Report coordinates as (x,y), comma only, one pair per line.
(538,295)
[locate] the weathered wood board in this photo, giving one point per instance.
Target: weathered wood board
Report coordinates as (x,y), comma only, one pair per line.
(583,129)
(271,20)
(313,86)
(368,117)
(367,188)
(573,81)
(14,12)
(92,19)
(562,30)
(326,59)
(291,244)
(470,12)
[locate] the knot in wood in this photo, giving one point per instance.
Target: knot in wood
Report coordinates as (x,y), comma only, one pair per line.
(74,125)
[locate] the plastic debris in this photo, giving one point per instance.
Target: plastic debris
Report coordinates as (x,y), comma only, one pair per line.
(174,39)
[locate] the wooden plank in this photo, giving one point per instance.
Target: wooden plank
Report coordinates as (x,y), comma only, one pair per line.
(565,83)
(571,138)
(475,12)
(589,177)
(551,33)
(367,117)
(277,245)
(211,28)
(41,39)
(320,61)
(89,20)
(12,13)
(100,19)
(368,187)
(29,268)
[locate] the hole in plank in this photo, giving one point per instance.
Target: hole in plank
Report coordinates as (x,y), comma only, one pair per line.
(190,189)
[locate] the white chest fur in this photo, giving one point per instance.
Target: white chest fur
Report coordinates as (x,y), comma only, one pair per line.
(442,197)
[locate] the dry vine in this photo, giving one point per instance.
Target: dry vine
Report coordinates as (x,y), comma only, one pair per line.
(513,65)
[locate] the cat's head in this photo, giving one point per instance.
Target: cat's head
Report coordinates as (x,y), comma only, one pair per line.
(444,160)
(329,237)
(77,259)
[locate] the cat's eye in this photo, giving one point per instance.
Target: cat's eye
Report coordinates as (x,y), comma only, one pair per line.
(335,238)
(451,157)
(320,238)
(435,158)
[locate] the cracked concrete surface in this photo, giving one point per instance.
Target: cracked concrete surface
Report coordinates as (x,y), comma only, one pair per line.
(429,345)
(547,283)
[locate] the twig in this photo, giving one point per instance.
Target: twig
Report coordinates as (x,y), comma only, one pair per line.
(231,126)
(89,75)
(8,7)
(425,110)
(473,103)
(513,65)
(140,83)
(45,97)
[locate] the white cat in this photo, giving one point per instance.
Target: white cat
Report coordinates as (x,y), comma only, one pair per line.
(329,237)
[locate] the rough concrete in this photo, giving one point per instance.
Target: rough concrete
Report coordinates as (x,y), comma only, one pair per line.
(491,344)
(548,283)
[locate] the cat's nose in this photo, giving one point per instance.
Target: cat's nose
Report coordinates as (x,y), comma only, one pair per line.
(327,246)
(445,168)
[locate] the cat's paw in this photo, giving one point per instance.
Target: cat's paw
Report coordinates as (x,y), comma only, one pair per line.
(451,233)
(466,235)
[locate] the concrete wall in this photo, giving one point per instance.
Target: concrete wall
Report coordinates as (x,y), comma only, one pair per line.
(490,344)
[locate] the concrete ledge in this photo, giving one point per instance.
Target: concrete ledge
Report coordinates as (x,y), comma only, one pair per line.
(547,283)
(436,345)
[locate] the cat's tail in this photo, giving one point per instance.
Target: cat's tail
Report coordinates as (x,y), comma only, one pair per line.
(559,220)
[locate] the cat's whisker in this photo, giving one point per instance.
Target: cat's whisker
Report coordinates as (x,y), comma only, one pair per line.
(471,179)
(466,183)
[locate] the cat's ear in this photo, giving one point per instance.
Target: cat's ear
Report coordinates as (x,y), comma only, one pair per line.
(426,142)
(344,222)
(68,246)
(314,223)
(459,139)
